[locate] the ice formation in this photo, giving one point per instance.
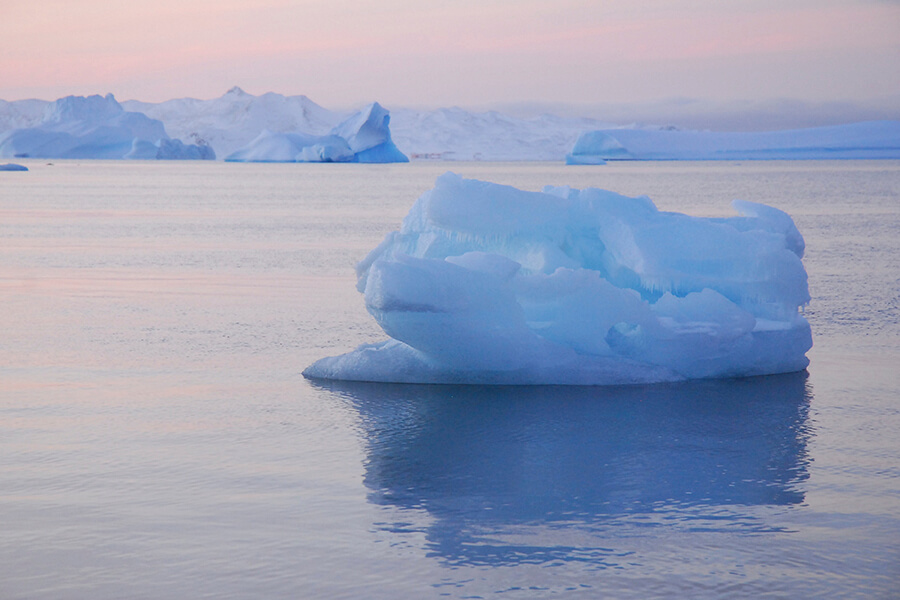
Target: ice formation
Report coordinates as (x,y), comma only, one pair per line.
(874,139)
(95,127)
(485,283)
(233,120)
(365,137)
(13,167)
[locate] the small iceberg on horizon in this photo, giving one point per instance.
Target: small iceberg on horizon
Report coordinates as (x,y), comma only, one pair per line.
(488,284)
(13,167)
(867,140)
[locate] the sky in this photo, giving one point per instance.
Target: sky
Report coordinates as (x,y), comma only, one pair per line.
(432,53)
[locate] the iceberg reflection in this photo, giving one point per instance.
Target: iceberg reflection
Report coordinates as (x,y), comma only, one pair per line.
(491,466)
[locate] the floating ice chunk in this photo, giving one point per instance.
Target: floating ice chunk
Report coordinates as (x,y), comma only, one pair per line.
(489,284)
(13,167)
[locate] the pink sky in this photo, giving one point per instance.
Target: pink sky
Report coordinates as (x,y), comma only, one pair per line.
(455,52)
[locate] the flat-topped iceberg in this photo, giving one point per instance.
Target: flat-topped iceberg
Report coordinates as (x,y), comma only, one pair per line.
(873,139)
(365,137)
(96,127)
(486,283)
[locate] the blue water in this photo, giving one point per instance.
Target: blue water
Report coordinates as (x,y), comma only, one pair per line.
(158,441)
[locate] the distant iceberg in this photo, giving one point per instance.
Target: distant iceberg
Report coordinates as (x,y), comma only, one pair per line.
(365,137)
(270,146)
(95,127)
(485,283)
(874,139)
(13,167)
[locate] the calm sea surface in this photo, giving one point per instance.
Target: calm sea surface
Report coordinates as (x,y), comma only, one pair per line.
(158,441)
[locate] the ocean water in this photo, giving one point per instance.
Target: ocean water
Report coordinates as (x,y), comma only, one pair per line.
(158,441)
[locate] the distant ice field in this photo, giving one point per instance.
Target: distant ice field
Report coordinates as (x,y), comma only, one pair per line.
(157,438)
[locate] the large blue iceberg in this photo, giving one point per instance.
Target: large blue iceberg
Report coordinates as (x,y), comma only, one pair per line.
(365,137)
(96,127)
(486,283)
(873,139)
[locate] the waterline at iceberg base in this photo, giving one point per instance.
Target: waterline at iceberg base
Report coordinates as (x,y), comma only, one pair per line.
(489,284)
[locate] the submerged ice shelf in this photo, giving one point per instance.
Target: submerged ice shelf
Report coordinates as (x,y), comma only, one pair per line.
(486,283)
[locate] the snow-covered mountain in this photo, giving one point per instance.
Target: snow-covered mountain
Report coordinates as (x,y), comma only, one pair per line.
(90,127)
(457,134)
(235,119)
(269,125)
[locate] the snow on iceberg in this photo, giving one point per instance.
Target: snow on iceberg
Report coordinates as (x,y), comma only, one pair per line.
(485,283)
(365,137)
(95,127)
(874,139)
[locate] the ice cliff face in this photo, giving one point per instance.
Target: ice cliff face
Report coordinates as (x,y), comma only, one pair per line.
(95,127)
(488,284)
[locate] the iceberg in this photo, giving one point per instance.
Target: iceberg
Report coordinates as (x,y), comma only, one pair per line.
(169,149)
(488,284)
(20,114)
(593,148)
(271,146)
(365,137)
(95,127)
(369,136)
(13,167)
(868,140)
